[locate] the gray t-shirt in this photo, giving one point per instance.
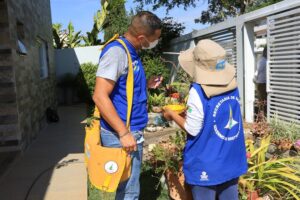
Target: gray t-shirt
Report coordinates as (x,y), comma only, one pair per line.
(113,64)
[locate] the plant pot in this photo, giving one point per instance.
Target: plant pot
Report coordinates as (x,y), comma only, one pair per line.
(178,189)
(252,195)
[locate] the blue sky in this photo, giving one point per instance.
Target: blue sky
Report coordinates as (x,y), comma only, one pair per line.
(81,13)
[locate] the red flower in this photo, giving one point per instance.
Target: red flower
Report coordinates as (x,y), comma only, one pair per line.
(175,95)
(248,155)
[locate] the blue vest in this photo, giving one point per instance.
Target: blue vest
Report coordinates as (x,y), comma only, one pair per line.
(139,115)
(217,154)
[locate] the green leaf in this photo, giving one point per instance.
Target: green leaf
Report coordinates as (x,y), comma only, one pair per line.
(291,192)
(273,189)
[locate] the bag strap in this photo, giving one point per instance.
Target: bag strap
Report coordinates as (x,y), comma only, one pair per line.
(129,84)
(130,78)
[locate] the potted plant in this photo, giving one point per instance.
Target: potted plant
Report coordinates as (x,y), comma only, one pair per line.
(155,102)
(167,160)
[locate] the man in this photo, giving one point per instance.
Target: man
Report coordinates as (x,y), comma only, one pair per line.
(260,80)
(215,154)
(110,95)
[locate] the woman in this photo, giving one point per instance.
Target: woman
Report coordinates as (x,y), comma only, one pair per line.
(215,154)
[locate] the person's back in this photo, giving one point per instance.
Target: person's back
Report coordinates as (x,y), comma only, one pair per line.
(215,153)
(219,143)
(262,70)
(261,79)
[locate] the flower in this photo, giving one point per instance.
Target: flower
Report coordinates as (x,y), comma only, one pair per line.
(297,143)
(175,95)
(248,155)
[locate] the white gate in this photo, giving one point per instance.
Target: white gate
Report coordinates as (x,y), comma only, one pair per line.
(283,81)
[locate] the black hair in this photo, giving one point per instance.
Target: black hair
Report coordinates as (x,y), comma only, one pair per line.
(145,22)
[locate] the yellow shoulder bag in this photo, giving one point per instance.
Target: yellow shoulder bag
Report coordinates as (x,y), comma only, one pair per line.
(107,167)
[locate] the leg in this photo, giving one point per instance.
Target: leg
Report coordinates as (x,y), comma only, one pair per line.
(228,190)
(203,192)
(130,190)
(262,98)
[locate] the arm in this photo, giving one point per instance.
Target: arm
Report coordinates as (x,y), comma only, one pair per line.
(178,119)
(109,70)
(194,115)
(101,97)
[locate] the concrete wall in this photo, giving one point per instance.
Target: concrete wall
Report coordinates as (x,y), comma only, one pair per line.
(69,60)
(29,95)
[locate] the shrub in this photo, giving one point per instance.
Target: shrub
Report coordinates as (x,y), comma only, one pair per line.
(168,156)
(278,176)
(154,66)
(156,100)
(281,129)
(183,77)
(86,81)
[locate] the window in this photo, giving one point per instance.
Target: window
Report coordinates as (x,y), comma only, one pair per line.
(22,50)
(43,58)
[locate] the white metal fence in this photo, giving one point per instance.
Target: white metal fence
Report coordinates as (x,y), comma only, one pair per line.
(237,37)
(284,65)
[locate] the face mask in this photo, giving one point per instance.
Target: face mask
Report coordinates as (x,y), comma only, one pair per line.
(151,44)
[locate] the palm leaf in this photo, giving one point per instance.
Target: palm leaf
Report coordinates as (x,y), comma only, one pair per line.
(291,192)
(270,162)
(285,183)
(273,189)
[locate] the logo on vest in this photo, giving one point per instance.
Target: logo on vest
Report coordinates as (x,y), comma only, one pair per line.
(111,167)
(136,65)
(231,122)
(228,129)
(204,176)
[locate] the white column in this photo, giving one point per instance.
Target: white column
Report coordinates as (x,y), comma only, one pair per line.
(240,64)
(249,70)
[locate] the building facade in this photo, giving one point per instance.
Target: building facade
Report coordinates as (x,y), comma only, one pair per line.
(27,71)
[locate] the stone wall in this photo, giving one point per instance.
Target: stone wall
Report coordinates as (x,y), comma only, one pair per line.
(27,94)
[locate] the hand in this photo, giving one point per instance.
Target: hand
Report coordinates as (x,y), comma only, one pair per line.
(155,81)
(167,114)
(128,142)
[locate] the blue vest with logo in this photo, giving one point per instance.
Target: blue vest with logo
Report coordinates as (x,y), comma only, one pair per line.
(217,154)
(139,115)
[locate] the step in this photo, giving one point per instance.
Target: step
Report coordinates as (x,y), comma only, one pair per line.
(7,98)
(5,56)
(8,109)
(9,137)
(4,38)
(8,119)
(8,130)
(3,5)
(4,26)
(5,51)
(6,74)
(10,145)
(7,88)
(3,13)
